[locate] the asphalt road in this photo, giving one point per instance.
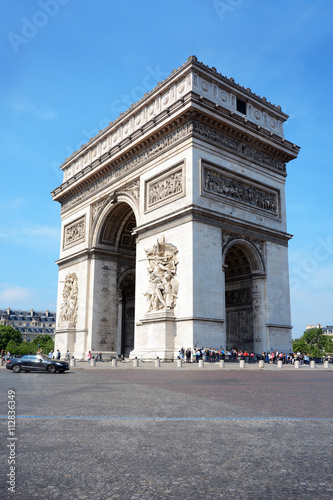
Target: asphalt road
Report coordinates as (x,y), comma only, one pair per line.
(168,434)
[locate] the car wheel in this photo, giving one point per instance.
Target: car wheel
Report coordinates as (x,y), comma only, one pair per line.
(16,368)
(51,369)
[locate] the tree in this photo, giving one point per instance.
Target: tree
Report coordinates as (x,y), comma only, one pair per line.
(313,342)
(8,333)
(43,342)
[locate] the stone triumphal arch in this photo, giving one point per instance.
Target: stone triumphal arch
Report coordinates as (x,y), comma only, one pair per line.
(174,224)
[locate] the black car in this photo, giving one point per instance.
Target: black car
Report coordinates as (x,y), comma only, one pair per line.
(36,362)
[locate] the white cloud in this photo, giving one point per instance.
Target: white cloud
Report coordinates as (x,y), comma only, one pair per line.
(32,235)
(15,296)
(52,233)
(40,112)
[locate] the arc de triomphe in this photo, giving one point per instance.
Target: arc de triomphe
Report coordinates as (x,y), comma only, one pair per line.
(174,224)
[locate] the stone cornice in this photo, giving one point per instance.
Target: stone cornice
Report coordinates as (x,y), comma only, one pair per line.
(194,213)
(184,126)
(88,254)
(165,100)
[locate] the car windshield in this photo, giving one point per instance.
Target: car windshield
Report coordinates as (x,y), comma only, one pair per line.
(42,356)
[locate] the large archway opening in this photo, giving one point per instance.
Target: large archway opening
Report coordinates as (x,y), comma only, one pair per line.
(238,299)
(117,238)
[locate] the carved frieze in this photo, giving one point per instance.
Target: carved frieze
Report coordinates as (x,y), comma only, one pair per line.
(69,305)
(238,146)
(167,141)
(95,208)
(133,189)
(165,188)
(238,297)
(131,165)
(221,184)
(74,233)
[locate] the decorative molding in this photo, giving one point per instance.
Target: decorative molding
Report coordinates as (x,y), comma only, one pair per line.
(95,208)
(228,237)
(116,170)
(165,187)
(130,165)
(133,189)
(221,184)
(74,232)
(237,146)
(257,245)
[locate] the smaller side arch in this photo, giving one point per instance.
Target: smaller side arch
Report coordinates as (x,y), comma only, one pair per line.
(117,206)
(253,254)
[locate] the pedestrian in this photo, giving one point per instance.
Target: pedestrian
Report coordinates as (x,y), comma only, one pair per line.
(188,355)
(58,355)
(89,356)
(67,355)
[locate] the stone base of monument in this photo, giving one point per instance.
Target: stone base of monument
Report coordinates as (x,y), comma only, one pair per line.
(242,363)
(261,363)
(155,336)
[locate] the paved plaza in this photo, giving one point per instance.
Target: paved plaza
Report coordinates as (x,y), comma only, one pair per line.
(170,433)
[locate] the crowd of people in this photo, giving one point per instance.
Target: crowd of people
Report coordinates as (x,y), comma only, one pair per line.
(193,355)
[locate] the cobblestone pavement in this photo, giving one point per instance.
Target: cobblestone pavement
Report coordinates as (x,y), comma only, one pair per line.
(168,433)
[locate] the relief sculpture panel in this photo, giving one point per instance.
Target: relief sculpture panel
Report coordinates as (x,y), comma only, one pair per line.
(69,305)
(74,233)
(165,188)
(221,184)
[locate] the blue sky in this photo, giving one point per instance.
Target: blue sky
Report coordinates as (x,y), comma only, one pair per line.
(69,67)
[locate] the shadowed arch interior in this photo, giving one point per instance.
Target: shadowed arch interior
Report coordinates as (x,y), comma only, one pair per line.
(118,227)
(238,298)
(117,236)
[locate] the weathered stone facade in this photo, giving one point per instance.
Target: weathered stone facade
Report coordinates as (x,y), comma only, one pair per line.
(174,224)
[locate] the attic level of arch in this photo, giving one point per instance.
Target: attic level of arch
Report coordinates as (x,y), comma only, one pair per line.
(251,144)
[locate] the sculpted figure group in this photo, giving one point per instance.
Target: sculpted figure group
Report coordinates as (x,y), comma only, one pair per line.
(222,185)
(69,306)
(163,286)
